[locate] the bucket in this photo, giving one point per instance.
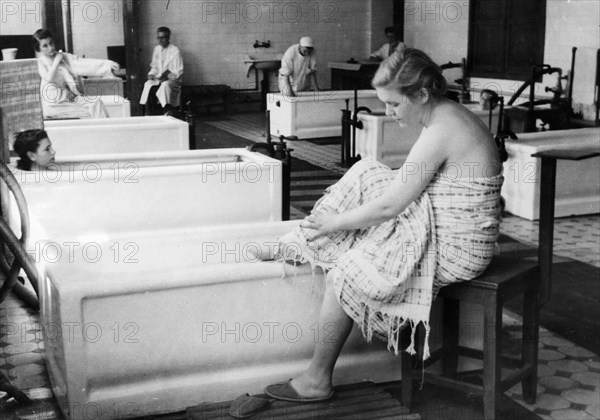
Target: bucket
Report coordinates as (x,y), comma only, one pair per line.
(9,54)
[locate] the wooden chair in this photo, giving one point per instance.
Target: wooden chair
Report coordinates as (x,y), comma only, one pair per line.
(507,277)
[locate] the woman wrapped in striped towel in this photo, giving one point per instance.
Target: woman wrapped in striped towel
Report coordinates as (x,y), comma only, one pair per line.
(389,240)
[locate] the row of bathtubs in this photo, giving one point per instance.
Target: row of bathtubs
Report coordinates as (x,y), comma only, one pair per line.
(577,187)
(152,298)
(318,114)
(126,272)
(151,305)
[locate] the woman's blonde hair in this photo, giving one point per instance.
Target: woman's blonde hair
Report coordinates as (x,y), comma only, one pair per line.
(410,71)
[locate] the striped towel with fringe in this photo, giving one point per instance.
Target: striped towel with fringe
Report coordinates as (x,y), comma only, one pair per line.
(387,276)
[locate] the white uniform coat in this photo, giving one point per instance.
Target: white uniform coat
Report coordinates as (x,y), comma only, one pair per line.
(297,67)
(163,59)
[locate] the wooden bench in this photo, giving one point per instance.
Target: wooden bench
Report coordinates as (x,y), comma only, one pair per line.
(206,96)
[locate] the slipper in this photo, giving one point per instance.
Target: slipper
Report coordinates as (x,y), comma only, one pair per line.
(285,392)
(246,406)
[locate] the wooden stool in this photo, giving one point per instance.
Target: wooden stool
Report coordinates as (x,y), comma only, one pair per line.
(506,278)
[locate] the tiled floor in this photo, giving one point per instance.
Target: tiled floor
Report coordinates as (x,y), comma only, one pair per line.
(569,376)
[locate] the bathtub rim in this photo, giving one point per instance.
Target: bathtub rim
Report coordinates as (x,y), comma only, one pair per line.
(319,96)
(103,160)
(199,234)
(110,122)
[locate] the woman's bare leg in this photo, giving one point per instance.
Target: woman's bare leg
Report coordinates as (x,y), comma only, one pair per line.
(334,327)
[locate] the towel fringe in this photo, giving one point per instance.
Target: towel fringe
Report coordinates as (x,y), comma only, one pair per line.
(411,348)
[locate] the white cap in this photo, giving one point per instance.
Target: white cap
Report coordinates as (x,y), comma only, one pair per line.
(306,41)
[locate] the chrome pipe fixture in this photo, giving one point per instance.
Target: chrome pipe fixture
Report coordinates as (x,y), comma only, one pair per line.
(262,44)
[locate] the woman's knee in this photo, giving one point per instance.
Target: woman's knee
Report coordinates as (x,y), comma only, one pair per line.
(368,168)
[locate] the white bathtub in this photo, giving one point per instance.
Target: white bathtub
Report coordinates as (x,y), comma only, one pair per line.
(314,114)
(108,194)
(183,317)
(577,187)
(116,106)
(117,135)
(382,139)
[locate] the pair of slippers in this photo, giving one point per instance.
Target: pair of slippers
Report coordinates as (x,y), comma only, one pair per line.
(246,406)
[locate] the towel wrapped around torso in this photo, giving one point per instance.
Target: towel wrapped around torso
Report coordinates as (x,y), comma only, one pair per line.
(386,276)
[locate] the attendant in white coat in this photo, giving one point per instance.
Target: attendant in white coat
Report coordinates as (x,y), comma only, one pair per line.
(298,68)
(163,86)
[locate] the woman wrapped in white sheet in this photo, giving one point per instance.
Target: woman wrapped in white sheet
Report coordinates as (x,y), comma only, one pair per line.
(60,92)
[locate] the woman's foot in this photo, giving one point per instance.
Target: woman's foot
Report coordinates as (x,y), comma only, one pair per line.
(309,387)
(266,252)
(301,389)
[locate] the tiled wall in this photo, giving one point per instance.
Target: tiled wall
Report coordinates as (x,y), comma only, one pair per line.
(215,36)
(441,28)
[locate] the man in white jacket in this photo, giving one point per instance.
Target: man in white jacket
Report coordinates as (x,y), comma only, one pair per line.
(163,87)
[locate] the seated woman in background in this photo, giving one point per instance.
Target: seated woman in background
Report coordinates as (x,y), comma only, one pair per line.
(60,93)
(390,240)
(34,150)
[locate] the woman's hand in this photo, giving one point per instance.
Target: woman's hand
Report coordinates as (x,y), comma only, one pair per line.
(58,57)
(115,67)
(323,223)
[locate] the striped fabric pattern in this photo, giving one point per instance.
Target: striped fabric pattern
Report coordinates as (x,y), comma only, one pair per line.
(386,276)
(20,106)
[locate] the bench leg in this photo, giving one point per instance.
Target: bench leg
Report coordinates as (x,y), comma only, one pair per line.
(451,321)
(531,329)
(406,362)
(492,336)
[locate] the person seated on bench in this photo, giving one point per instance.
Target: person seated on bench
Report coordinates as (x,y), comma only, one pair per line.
(389,241)
(162,90)
(61,94)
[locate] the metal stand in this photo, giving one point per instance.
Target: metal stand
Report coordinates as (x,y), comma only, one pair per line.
(280,151)
(348,143)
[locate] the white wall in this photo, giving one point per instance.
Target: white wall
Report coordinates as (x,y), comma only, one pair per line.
(214,36)
(22,17)
(95,25)
(441,28)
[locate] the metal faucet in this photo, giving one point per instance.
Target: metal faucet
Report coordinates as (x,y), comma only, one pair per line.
(557,90)
(261,44)
(349,139)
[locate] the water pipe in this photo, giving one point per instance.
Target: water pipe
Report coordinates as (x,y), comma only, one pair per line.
(345,135)
(355,123)
(280,151)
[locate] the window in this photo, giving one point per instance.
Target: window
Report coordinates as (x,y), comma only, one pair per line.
(505,38)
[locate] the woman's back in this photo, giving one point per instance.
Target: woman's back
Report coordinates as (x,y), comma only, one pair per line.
(469,147)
